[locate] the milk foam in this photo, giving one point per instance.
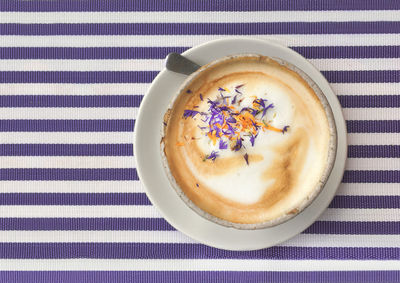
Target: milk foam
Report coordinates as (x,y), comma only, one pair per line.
(245,184)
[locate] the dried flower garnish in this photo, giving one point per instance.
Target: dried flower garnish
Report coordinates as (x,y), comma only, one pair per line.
(190,113)
(197,185)
(285,129)
(228,124)
(246,157)
(212,156)
(222,144)
(188,91)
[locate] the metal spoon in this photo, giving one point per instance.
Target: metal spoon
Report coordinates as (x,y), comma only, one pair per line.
(177,63)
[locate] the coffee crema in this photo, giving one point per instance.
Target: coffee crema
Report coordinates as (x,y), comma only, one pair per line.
(252,166)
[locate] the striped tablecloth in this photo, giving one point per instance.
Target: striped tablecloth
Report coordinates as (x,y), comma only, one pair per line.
(72,75)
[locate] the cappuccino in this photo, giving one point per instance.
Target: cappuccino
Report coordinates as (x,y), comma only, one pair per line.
(248,141)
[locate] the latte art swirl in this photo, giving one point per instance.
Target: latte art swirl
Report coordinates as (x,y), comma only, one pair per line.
(247,141)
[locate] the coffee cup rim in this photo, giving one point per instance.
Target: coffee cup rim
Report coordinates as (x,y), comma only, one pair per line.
(328,165)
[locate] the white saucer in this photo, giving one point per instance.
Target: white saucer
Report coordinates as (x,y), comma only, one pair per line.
(163,196)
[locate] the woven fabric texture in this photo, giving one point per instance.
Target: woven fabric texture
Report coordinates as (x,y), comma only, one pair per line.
(72,76)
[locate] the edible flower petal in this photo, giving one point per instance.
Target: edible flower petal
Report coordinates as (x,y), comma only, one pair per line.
(213,155)
(222,144)
(190,113)
(246,157)
(285,129)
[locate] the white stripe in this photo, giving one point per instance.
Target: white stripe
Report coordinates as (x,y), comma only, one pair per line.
(73,89)
(192,40)
(158,64)
(97,237)
(83,65)
(374,139)
(302,240)
(197,17)
(348,189)
(145,211)
(371,113)
(129,89)
(69,113)
(66,137)
(359,64)
(71,187)
(67,161)
(355,214)
(366,88)
(131,113)
(197,265)
(369,189)
(372,163)
(127,137)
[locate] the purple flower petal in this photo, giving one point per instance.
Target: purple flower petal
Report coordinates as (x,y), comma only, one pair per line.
(253,139)
(222,144)
(221,89)
(246,157)
(234,99)
(201,97)
(231,120)
(213,155)
(238,144)
(266,108)
(190,113)
(285,129)
(188,91)
(250,110)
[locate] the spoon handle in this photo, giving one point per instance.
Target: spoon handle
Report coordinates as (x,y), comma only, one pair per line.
(177,63)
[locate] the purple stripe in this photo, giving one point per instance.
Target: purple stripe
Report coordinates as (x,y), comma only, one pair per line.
(184,251)
(87,52)
(390,27)
(159,224)
(200,276)
(366,176)
(369,101)
(70,100)
(95,77)
(58,174)
(373,126)
(66,149)
(141,199)
(366,202)
(353,126)
(347,101)
(374,151)
(67,125)
(354,228)
(72,77)
(391,76)
(321,52)
(86,224)
(192,5)
(311,52)
(74,199)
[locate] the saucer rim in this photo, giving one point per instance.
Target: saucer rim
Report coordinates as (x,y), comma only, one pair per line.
(173,209)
